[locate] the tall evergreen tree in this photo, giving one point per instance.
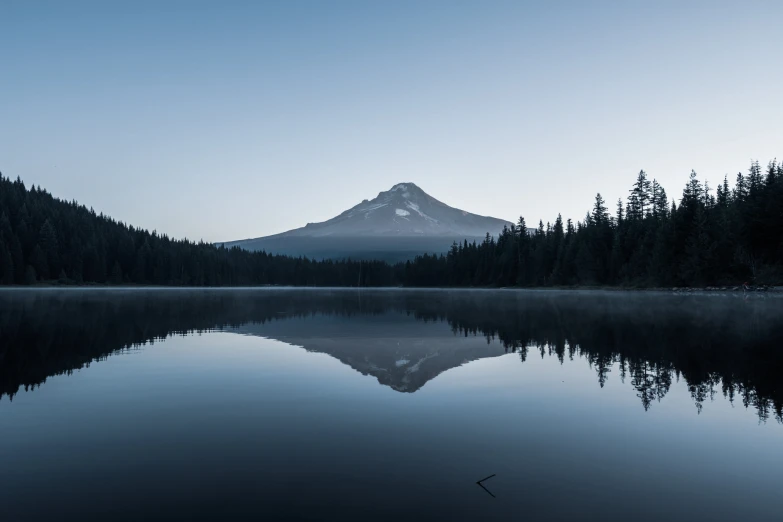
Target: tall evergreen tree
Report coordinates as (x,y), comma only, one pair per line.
(641,195)
(600,212)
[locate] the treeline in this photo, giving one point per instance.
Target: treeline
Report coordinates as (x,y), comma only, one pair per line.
(44,239)
(727,236)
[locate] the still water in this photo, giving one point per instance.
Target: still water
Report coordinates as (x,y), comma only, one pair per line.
(389,405)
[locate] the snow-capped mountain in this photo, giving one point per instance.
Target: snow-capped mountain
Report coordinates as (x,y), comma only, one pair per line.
(403,220)
(404,210)
(400,351)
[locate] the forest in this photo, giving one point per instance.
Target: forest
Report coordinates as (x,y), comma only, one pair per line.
(726,236)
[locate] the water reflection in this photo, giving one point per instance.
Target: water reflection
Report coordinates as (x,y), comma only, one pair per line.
(716,344)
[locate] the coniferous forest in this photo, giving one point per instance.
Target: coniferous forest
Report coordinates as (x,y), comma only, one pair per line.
(722,236)
(730,235)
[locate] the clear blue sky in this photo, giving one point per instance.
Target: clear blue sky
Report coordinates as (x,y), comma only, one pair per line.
(227,120)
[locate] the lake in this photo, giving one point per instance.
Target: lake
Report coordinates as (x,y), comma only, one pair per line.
(304,404)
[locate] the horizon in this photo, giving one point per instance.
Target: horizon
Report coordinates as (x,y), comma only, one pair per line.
(531,225)
(227,122)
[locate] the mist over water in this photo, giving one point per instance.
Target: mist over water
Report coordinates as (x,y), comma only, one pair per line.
(390,404)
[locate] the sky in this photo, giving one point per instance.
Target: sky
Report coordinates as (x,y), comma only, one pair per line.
(230,120)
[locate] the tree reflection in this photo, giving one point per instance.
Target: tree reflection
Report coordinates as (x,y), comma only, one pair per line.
(716,344)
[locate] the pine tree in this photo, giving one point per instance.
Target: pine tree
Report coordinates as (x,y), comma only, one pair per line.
(754,178)
(600,212)
(660,203)
(693,190)
(723,193)
(558,241)
(640,196)
(740,188)
(772,172)
(523,253)
(708,199)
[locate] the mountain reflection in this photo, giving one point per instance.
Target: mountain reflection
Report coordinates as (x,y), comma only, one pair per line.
(717,344)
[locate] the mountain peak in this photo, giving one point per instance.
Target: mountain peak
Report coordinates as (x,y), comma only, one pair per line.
(404,186)
(404,211)
(405,189)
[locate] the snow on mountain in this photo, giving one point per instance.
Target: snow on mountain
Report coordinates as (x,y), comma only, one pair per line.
(403,210)
(397,224)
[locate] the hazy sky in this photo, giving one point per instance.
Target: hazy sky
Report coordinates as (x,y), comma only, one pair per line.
(228,120)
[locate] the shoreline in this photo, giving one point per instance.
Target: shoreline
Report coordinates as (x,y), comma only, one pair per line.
(760,289)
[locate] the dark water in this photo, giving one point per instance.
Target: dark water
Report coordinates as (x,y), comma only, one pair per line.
(389,405)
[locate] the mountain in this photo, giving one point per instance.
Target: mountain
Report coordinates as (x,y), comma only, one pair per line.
(397,224)
(399,350)
(403,210)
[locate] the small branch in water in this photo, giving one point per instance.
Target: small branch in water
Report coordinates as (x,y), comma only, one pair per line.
(479,482)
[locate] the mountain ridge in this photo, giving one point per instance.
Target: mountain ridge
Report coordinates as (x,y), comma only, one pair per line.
(398,223)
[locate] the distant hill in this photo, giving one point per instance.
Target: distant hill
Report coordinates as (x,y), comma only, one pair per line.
(396,225)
